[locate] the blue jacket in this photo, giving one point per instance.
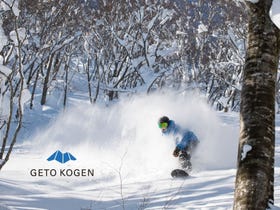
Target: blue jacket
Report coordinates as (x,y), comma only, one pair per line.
(183,138)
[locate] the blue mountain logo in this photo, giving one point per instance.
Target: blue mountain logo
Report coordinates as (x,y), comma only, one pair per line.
(61,157)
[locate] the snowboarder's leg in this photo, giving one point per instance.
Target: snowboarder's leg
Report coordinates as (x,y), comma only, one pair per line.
(185,161)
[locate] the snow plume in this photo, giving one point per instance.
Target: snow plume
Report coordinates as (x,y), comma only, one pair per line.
(125,137)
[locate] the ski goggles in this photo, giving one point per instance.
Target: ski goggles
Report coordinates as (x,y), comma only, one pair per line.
(163,125)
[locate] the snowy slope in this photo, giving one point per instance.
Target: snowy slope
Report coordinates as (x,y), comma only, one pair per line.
(130,158)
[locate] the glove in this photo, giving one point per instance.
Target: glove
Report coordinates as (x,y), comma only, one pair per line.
(176,152)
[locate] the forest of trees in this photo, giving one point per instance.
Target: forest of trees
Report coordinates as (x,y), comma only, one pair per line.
(105,50)
(122,47)
(109,49)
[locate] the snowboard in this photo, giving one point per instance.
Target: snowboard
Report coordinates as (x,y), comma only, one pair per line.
(179,173)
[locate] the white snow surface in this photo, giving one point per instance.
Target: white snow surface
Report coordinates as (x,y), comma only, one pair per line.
(275,13)
(10,4)
(253,1)
(3,38)
(246,148)
(202,28)
(132,161)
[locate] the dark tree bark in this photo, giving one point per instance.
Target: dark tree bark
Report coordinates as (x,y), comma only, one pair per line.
(15,101)
(66,69)
(255,173)
(87,68)
(46,80)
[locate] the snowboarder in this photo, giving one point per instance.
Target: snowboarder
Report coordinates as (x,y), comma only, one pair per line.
(186,141)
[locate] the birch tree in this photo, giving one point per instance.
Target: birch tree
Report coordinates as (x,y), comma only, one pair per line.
(13,93)
(255,173)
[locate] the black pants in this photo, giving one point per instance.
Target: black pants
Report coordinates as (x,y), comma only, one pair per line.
(185,160)
(185,156)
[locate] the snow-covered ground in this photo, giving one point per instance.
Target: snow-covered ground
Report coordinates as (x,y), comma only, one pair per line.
(131,160)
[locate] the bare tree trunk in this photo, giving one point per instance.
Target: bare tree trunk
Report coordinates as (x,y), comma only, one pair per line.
(5,156)
(34,87)
(46,80)
(88,80)
(66,69)
(255,173)
(9,120)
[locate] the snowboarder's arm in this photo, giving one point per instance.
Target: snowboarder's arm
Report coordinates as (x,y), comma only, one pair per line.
(188,139)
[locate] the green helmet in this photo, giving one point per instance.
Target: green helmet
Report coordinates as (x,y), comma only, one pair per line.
(163,122)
